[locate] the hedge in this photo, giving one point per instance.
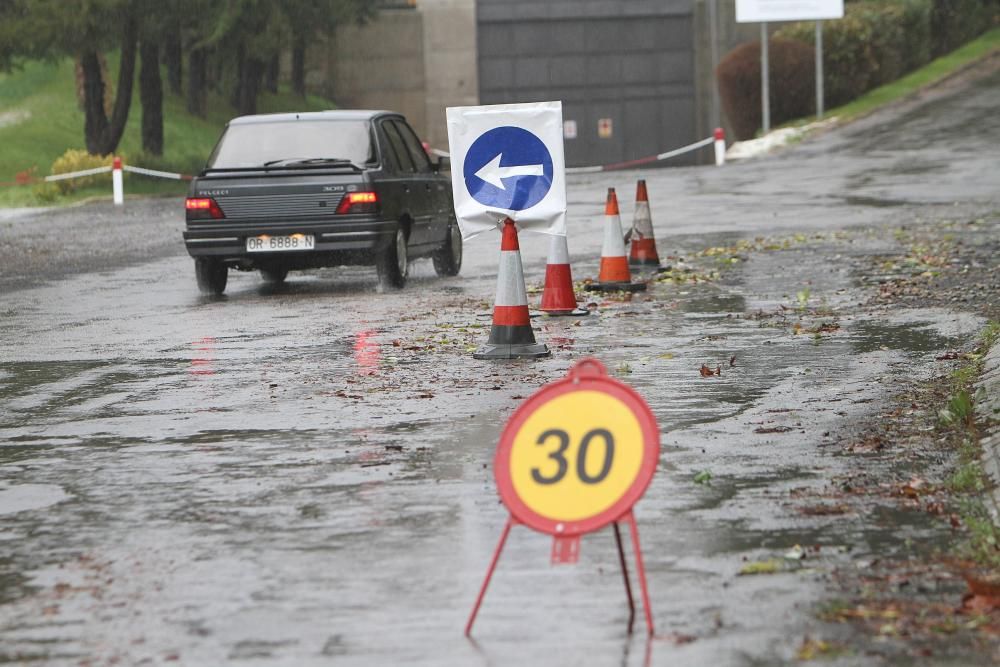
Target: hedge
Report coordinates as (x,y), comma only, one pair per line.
(876,42)
(792,73)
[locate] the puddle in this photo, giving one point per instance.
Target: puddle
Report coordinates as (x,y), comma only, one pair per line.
(720,304)
(875,202)
(916,337)
(25,497)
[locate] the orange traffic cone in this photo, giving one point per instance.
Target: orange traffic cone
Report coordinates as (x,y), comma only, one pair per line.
(614,274)
(511,336)
(558,297)
(643,252)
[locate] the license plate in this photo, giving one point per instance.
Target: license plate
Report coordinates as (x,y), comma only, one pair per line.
(280,243)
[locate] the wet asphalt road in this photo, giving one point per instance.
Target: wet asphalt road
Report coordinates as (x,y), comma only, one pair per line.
(300,475)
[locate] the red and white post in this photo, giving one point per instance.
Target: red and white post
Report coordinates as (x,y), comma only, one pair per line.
(117,185)
(720,147)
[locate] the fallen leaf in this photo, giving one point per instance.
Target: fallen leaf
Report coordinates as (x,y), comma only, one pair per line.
(732,361)
(795,553)
(704,477)
(769,566)
(825,509)
(814,648)
(773,429)
(706,371)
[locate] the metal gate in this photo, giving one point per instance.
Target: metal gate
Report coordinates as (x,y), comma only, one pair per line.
(624,70)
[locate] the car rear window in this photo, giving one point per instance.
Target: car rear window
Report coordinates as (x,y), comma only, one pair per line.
(253,144)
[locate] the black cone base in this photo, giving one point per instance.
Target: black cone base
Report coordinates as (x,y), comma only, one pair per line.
(616,287)
(494,351)
(576,312)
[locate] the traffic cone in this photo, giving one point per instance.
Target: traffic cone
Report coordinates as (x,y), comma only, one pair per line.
(643,252)
(510,336)
(614,274)
(558,297)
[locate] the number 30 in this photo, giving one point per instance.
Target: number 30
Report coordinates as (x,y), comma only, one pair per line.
(559,456)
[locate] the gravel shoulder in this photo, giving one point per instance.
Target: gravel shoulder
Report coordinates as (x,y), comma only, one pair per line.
(46,244)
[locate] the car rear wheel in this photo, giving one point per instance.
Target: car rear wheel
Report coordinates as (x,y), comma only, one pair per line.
(275,274)
(211,275)
(393,263)
(448,260)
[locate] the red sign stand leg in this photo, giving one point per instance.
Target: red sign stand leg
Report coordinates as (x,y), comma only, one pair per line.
(628,518)
(489,574)
(628,585)
(634,529)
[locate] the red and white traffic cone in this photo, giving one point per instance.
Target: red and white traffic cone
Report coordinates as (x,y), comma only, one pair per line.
(720,147)
(614,274)
(117,188)
(643,250)
(511,336)
(558,297)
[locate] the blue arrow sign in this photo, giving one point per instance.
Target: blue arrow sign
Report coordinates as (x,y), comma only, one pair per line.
(509,168)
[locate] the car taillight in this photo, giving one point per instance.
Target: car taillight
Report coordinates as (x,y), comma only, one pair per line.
(203,208)
(358,202)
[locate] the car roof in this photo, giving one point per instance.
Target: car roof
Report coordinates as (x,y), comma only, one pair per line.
(331,115)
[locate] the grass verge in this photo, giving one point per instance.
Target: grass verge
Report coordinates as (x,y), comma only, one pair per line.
(931,73)
(40,118)
(969,480)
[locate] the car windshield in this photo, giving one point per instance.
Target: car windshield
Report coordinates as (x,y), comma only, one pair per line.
(293,142)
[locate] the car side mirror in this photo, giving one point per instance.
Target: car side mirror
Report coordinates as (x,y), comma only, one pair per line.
(443,164)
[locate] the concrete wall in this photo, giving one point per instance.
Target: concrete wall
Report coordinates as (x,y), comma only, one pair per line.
(449,62)
(631,61)
(646,64)
(380,66)
(415,61)
(729,34)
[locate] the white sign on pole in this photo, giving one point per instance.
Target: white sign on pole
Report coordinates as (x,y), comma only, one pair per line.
(507,162)
(765,11)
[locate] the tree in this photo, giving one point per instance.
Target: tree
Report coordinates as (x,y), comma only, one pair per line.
(151,97)
(83,29)
(102,133)
(172,55)
(309,19)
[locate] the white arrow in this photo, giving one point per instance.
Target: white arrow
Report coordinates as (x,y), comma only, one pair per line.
(494,174)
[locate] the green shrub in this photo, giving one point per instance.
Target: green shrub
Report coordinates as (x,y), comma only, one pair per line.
(955,22)
(792,84)
(80,160)
(876,42)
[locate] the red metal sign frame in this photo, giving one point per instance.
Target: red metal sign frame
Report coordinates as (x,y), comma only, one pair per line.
(587,375)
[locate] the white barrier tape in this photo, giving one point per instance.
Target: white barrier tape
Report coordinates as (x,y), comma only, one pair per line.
(441,153)
(641,161)
(686,149)
(154,172)
(77,174)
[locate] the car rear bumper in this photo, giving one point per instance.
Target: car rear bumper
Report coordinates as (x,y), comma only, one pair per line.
(227,239)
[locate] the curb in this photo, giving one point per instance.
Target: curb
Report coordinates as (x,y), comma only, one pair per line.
(988,412)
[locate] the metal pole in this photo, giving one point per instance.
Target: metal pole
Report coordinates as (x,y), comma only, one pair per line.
(819,70)
(713,36)
(489,575)
(765,94)
(628,586)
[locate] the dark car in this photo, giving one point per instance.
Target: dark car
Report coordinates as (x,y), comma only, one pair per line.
(291,191)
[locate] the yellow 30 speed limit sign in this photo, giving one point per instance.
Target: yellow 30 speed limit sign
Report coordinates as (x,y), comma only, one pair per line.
(578,454)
